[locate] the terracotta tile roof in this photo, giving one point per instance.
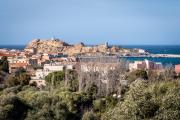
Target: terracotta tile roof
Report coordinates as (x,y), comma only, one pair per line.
(7,55)
(16,65)
(55,53)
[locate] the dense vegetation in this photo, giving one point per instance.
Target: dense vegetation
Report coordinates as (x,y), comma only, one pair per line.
(18,78)
(148,95)
(4,65)
(155,101)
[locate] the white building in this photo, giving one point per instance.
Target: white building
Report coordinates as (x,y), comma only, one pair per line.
(53,67)
(141,51)
(49,68)
(145,65)
(69,67)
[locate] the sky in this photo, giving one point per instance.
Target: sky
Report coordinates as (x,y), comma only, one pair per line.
(122,22)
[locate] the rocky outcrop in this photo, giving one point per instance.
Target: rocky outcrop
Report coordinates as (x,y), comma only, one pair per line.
(56,45)
(47,45)
(115,49)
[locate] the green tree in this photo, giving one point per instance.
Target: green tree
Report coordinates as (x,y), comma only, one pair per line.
(89,116)
(11,81)
(55,78)
(4,64)
(71,80)
(156,101)
(92,90)
(19,79)
(11,108)
(99,105)
(137,74)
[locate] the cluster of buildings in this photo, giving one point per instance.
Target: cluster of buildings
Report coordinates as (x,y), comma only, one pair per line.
(145,65)
(149,65)
(40,74)
(39,65)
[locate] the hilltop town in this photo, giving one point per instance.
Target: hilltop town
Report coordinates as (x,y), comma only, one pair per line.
(43,56)
(52,79)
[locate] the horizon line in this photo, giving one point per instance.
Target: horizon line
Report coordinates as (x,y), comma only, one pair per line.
(108,43)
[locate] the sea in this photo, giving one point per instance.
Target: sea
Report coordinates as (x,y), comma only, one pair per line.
(18,47)
(155,49)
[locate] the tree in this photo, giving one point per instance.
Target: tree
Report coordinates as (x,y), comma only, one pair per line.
(168,73)
(11,81)
(99,105)
(153,75)
(106,76)
(89,116)
(146,100)
(4,64)
(11,107)
(71,80)
(92,90)
(19,79)
(55,78)
(137,74)
(23,79)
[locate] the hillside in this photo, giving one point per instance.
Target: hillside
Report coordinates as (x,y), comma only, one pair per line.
(56,45)
(47,45)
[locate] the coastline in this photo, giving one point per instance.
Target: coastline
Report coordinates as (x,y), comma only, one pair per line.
(167,55)
(155,56)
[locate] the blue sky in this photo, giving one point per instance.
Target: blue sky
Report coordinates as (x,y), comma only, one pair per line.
(91,21)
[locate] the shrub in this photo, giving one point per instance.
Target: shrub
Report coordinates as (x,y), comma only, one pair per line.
(19,79)
(89,116)
(11,107)
(4,64)
(55,78)
(159,100)
(137,74)
(99,105)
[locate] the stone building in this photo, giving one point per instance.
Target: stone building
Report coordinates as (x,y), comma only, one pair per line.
(100,59)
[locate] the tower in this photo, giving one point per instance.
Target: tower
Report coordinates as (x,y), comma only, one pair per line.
(106,44)
(53,38)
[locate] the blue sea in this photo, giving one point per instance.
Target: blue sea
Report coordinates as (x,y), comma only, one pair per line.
(156,49)
(19,47)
